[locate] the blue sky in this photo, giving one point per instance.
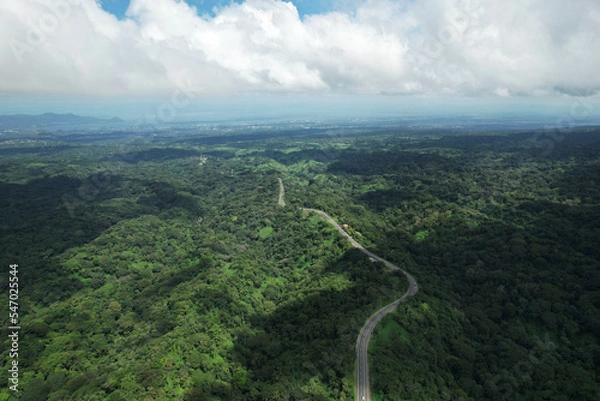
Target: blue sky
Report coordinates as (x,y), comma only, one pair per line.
(393,55)
(305,7)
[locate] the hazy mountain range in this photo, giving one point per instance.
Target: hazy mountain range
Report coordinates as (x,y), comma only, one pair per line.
(52,121)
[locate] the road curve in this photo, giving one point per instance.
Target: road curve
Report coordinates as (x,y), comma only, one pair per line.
(362,386)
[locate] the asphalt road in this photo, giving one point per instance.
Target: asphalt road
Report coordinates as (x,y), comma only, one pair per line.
(281,192)
(363,385)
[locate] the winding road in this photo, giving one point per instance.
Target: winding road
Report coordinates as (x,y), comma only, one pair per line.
(362,386)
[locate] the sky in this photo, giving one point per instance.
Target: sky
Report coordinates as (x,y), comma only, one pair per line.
(211,7)
(121,57)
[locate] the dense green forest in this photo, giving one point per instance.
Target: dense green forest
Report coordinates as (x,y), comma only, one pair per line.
(159,266)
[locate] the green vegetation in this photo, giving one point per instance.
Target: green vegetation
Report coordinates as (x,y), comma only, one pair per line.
(265,232)
(161,267)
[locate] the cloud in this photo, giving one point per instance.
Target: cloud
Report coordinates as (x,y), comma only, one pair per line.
(454,47)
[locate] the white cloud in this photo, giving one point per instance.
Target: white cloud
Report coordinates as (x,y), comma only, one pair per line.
(457,47)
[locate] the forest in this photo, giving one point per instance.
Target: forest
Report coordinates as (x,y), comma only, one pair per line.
(159,265)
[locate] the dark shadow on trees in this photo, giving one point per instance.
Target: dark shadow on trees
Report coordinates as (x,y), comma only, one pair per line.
(311,337)
(506,286)
(154,155)
(46,216)
(249,136)
(296,157)
(380,200)
(477,141)
(387,162)
(86,137)
(41,150)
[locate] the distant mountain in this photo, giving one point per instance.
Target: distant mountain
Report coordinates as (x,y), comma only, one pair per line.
(52,121)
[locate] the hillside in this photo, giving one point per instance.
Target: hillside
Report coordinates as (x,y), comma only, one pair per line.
(163,267)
